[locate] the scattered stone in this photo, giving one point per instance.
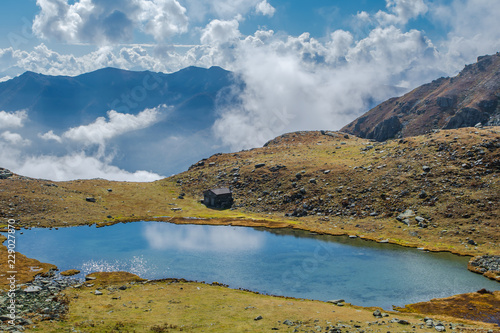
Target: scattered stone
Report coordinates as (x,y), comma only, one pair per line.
(336,301)
(90,278)
(419,219)
(97,292)
(258,318)
(260,165)
(90,199)
(288,322)
(440,327)
(407,214)
(426,168)
(422,194)
(377,314)
(403,322)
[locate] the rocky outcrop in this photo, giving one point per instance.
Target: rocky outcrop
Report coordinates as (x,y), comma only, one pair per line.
(387,129)
(466,117)
(4,173)
(465,100)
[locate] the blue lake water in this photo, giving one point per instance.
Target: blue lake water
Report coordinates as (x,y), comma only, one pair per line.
(280,262)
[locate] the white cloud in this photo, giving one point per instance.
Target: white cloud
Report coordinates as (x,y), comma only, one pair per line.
(101,22)
(12,119)
(299,83)
(50,136)
(14,139)
(472,28)
(5,78)
(265,8)
(163,18)
(78,166)
(402,11)
(220,32)
(118,124)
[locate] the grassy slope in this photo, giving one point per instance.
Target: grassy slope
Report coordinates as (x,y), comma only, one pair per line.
(461,203)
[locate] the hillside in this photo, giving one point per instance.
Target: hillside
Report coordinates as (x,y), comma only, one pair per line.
(439,191)
(465,100)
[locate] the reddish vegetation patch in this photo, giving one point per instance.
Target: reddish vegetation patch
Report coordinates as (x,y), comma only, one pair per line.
(480,306)
(109,278)
(26,268)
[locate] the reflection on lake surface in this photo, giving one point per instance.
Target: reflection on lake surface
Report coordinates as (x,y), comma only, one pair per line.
(281,262)
(161,236)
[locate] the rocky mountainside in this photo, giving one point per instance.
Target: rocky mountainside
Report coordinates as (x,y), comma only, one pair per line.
(465,100)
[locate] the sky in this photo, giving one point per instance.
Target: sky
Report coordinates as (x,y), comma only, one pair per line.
(315,64)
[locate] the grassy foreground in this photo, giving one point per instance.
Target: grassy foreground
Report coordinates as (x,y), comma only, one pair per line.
(175,306)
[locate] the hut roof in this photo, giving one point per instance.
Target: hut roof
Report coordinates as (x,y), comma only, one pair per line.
(220,191)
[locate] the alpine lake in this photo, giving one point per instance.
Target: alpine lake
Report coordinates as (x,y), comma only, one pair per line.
(283,262)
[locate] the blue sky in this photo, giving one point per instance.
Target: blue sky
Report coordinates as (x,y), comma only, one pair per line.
(315,64)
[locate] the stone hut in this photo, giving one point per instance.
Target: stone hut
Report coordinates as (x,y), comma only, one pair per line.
(218,198)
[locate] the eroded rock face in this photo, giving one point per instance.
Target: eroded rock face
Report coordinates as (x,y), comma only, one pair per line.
(466,117)
(386,129)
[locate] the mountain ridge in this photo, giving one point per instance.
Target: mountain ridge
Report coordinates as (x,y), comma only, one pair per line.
(465,100)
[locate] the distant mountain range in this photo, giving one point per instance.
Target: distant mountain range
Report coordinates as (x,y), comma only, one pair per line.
(182,136)
(64,101)
(465,100)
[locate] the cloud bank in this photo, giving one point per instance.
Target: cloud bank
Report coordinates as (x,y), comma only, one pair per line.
(102,22)
(79,163)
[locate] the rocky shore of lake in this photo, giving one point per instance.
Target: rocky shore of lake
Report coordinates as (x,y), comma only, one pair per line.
(488,265)
(41,299)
